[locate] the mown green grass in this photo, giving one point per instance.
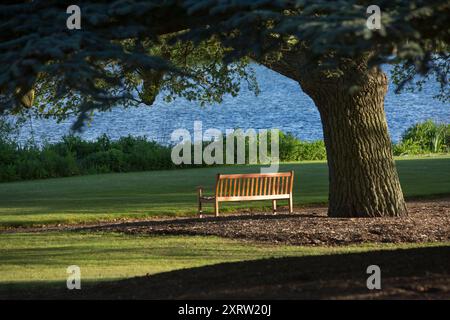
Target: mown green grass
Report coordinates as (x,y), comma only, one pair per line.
(173,192)
(29,260)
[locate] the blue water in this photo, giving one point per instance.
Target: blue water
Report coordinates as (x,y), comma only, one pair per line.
(281,104)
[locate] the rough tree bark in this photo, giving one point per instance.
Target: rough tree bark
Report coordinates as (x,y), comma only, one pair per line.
(363,180)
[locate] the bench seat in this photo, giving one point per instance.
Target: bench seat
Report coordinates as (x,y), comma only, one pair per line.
(250,187)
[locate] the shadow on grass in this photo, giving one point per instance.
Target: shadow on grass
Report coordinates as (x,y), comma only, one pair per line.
(405,273)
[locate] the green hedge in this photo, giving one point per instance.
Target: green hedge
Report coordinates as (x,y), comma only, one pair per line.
(74,156)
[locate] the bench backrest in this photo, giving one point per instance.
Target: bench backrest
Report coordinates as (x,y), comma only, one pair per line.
(254,185)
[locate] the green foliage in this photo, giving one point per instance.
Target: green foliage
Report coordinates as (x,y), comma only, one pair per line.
(9,127)
(75,156)
(293,149)
(425,137)
(185,47)
(202,77)
(406,78)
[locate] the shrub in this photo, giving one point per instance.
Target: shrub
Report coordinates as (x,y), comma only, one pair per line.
(112,160)
(425,137)
(31,168)
(8,173)
(292,149)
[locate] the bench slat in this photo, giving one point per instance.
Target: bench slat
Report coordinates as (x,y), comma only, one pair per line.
(255,175)
(244,198)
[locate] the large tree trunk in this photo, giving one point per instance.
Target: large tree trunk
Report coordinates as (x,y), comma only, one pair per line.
(363,180)
(362,175)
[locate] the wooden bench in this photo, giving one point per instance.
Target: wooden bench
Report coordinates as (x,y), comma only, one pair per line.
(250,187)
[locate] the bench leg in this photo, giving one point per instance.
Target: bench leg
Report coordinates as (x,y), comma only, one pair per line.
(291,206)
(216,208)
(200,212)
(274,206)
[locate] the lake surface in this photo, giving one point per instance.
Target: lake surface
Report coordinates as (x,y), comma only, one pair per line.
(281,104)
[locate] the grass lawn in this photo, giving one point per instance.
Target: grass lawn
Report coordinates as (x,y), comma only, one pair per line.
(173,192)
(33,260)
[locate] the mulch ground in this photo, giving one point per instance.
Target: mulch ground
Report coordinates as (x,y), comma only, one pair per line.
(428,221)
